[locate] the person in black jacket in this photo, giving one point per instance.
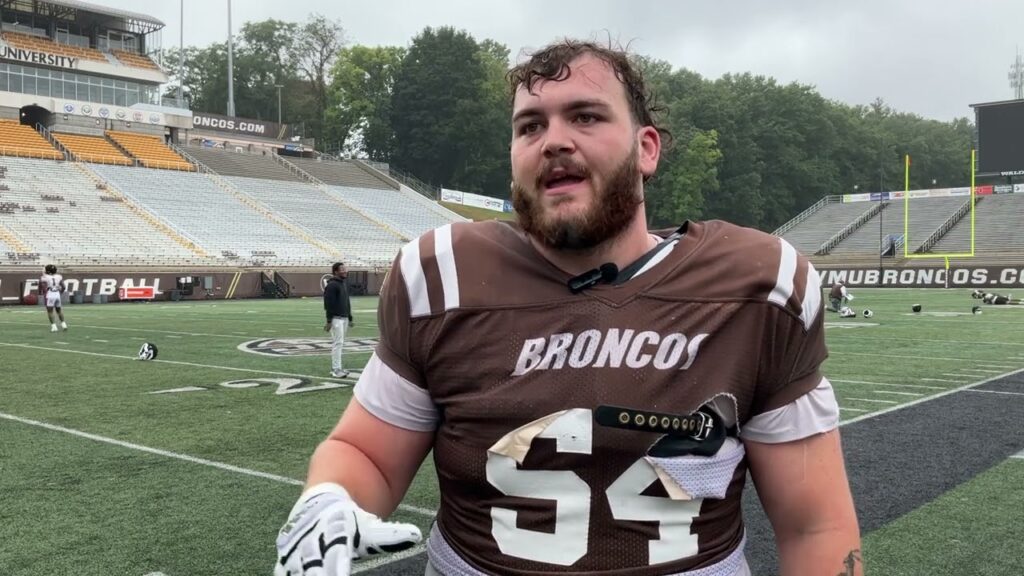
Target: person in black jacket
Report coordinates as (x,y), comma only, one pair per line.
(339,315)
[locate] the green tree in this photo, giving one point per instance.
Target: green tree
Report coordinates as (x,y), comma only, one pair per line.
(316,48)
(359,114)
(444,112)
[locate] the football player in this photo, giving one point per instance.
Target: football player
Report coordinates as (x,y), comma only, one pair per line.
(839,297)
(51,286)
(1000,299)
(593,393)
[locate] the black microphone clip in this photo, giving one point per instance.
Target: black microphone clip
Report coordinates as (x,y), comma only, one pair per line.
(607,273)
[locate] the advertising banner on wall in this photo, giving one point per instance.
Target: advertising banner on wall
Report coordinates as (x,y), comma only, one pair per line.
(991,277)
(475,200)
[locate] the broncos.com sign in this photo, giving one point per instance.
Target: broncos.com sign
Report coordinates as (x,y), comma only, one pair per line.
(292,347)
(974,277)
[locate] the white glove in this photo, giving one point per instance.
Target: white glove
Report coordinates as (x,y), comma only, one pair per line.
(326,531)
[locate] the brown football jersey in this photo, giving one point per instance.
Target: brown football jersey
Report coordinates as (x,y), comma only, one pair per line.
(517,365)
(836,291)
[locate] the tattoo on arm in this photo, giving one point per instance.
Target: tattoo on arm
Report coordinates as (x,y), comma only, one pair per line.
(850,563)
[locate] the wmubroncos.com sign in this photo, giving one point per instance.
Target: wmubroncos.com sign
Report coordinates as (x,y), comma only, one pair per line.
(233,125)
(955,277)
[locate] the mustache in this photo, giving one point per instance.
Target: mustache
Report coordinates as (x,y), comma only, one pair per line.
(566,164)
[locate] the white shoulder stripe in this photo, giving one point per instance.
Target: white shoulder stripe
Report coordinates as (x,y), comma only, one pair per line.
(415,281)
(395,400)
(784,281)
(445,255)
(811,306)
(663,252)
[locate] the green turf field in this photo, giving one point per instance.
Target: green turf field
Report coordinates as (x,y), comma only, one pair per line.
(187,465)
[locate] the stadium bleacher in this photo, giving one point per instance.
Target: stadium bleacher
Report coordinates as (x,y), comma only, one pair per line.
(210,216)
(327,219)
(998,227)
(926,214)
(42,44)
(810,234)
(396,208)
(341,173)
(20,140)
(91,148)
(134,60)
(149,150)
(79,224)
(227,163)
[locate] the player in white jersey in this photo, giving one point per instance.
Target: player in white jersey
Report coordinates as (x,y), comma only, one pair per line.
(51,286)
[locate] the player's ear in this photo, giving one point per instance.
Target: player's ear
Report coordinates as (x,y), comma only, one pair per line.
(648,150)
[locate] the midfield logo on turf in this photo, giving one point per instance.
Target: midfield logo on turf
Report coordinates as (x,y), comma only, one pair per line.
(292,347)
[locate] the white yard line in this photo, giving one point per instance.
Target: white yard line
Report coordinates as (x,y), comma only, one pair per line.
(940,380)
(178,362)
(184,457)
(901,357)
(982,370)
(841,409)
(873,400)
(930,398)
(895,393)
(956,342)
(921,386)
(232,336)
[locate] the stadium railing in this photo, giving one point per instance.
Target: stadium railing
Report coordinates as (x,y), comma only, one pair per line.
(946,226)
(805,214)
(850,228)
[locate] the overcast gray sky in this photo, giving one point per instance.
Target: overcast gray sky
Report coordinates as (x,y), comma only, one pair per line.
(930,57)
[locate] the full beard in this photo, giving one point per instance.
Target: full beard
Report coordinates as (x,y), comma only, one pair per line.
(608,215)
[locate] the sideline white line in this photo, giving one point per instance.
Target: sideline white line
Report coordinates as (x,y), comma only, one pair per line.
(177,362)
(184,457)
(1019,455)
(997,392)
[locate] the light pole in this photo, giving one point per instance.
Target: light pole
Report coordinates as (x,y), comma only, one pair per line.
(231,68)
(181,55)
(278,86)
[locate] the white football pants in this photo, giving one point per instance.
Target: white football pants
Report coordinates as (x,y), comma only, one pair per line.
(338,327)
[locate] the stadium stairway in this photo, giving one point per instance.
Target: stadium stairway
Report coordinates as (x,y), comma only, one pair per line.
(293,228)
(323,188)
(143,213)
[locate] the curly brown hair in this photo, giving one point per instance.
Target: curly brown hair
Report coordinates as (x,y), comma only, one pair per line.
(552,63)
